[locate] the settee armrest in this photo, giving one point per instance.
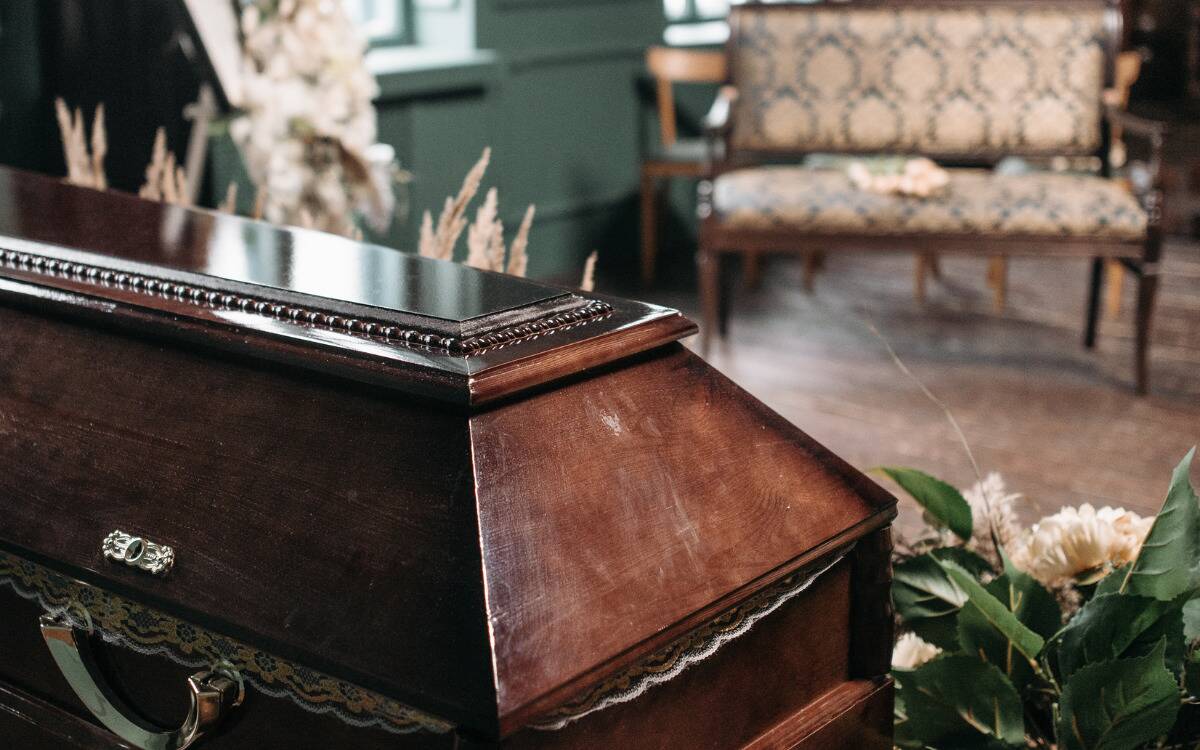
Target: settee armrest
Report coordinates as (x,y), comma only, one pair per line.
(717,123)
(1152,132)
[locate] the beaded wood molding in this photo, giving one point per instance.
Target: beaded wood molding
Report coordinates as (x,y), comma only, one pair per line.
(215,299)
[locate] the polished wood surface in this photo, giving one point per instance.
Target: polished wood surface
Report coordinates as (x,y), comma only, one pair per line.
(259,510)
(487,564)
(308,514)
(703,497)
(305,298)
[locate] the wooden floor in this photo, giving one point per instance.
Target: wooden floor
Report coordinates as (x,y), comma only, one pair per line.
(1060,423)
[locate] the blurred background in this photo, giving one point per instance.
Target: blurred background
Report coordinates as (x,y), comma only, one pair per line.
(562,93)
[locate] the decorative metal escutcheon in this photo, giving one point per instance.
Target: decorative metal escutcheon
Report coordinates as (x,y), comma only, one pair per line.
(136,552)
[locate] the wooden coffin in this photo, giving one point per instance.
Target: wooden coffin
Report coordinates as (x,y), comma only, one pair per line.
(409,504)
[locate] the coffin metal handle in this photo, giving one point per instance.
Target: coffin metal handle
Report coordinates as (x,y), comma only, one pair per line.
(214,695)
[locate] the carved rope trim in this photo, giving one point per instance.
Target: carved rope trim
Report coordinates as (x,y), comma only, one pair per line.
(701,643)
(124,623)
(201,296)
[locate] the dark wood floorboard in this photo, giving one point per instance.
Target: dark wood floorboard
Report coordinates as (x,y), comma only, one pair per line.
(1062,424)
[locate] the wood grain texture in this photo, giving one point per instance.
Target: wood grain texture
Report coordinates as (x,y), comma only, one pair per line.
(674,496)
(614,513)
(308,515)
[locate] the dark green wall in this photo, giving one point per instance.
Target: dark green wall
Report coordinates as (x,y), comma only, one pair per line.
(555,92)
(561,111)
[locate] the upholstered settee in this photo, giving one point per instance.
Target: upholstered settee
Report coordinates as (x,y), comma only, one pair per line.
(964,82)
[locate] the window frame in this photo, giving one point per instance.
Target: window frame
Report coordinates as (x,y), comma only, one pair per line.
(692,14)
(406,19)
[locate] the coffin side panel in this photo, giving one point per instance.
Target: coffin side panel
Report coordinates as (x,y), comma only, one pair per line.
(329,523)
(620,509)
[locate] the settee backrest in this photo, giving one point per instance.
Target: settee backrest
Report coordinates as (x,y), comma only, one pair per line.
(951,78)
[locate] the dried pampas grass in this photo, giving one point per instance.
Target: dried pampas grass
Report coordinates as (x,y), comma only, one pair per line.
(83,168)
(485,235)
(229,204)
(589,273)
(166,181)
(440,243)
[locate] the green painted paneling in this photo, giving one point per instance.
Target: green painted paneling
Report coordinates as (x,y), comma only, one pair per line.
(556,97)
(28,135)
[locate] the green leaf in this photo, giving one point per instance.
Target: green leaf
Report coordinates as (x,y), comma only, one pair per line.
(1112,626)
(958,701)
(1029,601)
(1191,674)
(995,613)
(939,499)
(940,631)
(1032,605)
(1163,569)
(921,589)
(1191,620)
(1112,583)
(965,559)
(1118,705)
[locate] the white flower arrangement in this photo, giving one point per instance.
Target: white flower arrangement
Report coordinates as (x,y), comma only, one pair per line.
(1078,633)
(1080,545)
(308,128)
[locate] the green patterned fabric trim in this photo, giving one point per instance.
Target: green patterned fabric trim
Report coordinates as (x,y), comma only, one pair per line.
(124,623)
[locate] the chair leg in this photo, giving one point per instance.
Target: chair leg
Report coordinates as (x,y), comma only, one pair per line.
(1093,303)
(1112,294)
(998,280)
(709,269)
(751,270)
(649,227)
(935,265)
(724,295)
(1146,292)
(812,262)
(920,274)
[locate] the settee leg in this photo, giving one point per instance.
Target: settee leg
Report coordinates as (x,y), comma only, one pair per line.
(649,211)
(751,270)
(709,270)
(1093,303)
(724,295)
(920,275)
(1146,292)
(812,262)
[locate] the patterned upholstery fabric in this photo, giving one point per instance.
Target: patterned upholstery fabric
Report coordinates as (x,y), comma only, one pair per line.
(822,201)
(948,80)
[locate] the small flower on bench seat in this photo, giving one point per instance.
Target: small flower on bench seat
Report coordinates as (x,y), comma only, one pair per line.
(918,178)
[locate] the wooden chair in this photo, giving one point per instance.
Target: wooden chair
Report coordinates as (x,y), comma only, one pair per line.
(673,156)
(1016,78)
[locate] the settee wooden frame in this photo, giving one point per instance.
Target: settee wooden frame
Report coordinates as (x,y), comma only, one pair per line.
(1141,257)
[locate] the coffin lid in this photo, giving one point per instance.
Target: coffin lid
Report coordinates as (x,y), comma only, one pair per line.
(485,565)
(309,298)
